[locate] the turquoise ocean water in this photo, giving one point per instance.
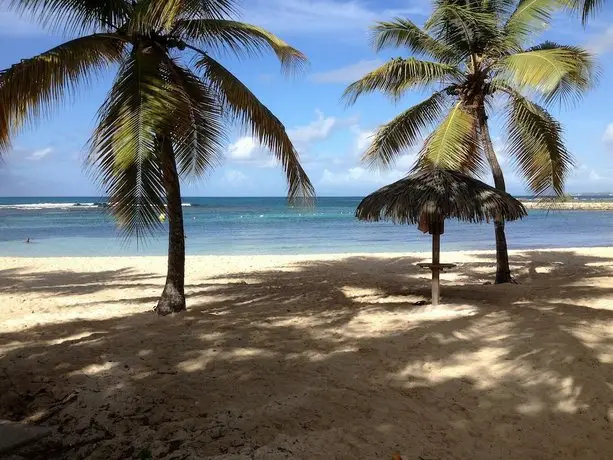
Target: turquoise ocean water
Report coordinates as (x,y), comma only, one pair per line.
(81,226)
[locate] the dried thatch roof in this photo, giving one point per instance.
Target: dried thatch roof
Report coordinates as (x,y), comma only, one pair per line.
(438,194)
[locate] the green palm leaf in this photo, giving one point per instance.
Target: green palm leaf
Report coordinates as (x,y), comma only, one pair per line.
(125,147)
(263,125)
(30,88)
(580,78)
(405,131)
(536,144)
(403,33)
(395,77)
(239,38)
(464,28)
(164,15)
(198,132)
(530,17)
(454,144)
(76,16)
(545,69)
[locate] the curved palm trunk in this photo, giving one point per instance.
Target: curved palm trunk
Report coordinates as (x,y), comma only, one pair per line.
(173,296)
(503,271)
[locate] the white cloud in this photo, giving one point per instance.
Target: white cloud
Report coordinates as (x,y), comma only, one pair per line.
(359,175)
(234,177)
(243,148)
(405,163)
(607,137)
(39,154)
(363,140)
(308,16)
(601,43)
(586,176)
(317,130)
(247,150)
(347,74)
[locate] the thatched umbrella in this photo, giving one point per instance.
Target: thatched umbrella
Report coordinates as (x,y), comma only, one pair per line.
(428,197)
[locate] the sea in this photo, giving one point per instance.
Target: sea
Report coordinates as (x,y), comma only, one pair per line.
(83,226)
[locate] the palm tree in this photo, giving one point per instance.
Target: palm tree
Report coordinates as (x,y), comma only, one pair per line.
(473,56)
(163,118)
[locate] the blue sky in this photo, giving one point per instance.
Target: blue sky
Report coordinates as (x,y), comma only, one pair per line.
(47,158)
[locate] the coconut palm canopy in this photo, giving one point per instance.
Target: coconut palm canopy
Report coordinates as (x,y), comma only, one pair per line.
(437,194)
(477,58)
(165,116)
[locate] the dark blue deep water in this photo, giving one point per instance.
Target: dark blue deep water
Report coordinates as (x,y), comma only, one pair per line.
(60,227)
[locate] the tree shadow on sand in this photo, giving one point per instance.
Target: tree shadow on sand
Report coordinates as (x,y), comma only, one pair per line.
(332,360)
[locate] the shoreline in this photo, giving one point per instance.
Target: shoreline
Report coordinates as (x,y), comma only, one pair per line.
(306,255)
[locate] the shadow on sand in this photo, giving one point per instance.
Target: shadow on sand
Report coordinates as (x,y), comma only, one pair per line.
(326,360)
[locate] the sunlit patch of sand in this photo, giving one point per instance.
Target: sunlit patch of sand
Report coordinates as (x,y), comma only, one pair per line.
(94,369)
(373,296)
(377,322)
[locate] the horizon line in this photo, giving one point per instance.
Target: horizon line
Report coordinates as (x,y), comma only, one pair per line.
(610,193)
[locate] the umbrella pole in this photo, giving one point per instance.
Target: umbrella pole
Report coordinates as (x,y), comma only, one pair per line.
(436,253)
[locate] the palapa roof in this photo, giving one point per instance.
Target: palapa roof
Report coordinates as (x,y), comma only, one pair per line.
(436,193)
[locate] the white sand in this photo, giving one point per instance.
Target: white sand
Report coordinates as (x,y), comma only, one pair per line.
(312,357)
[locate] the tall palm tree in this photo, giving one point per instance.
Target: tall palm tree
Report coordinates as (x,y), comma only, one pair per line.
(163,118)
(474,57)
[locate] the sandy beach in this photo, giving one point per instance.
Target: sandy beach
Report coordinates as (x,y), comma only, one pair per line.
(312,357)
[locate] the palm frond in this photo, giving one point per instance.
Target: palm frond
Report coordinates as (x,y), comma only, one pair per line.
(75,16)
(395,77)
(263,125)
(153,15)
(454,144)
(124,149)
(30,88)
(530,17)
(401,32)
(502,9)
(536,145)
(465,28)
(405,131)
(198,133)
(578,80)
(586,8)
(548,69)
(136,194)
(164,15)
(239,38)
(589,8)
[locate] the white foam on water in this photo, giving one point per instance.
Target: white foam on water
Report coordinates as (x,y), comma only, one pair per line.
(38,206)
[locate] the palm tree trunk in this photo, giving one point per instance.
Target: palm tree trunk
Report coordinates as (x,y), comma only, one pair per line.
(173,296)
(503,271)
